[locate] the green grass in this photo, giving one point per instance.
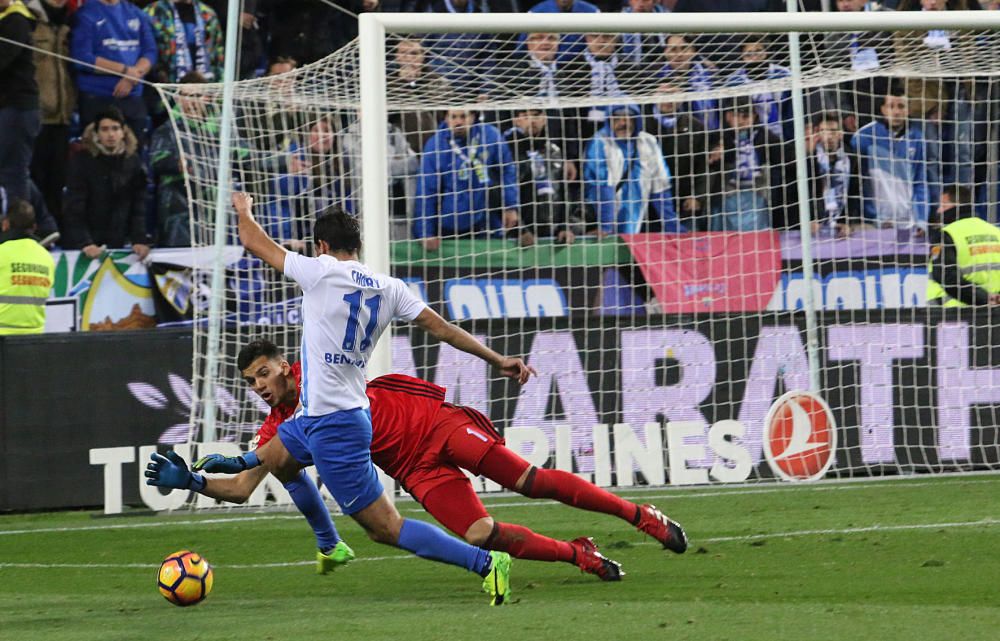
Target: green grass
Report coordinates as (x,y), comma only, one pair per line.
(771,563)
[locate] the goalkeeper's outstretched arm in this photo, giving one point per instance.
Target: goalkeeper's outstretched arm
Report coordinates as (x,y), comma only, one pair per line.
(253,236)
(172,471)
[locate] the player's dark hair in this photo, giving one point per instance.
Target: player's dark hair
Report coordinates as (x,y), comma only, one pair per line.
(21,215)
(339,229)
(254,350)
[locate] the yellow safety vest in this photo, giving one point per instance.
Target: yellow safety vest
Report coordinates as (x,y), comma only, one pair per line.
(17,7)
(26,274)
(977,243)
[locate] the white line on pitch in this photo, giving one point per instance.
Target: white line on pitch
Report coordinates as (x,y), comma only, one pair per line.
(679,493)
(131,526)
(397,557)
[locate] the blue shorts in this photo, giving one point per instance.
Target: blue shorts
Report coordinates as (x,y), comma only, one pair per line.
(339,445)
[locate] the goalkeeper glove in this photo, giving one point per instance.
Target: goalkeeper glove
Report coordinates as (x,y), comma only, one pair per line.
(219,464)
(172,471)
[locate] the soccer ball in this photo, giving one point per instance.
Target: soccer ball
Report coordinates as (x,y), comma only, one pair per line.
(184,578)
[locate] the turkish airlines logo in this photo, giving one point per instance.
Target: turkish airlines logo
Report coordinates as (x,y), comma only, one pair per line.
(800,437)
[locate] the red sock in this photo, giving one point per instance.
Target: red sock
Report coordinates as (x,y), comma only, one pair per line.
(505,467)
(522,543)
(572,490)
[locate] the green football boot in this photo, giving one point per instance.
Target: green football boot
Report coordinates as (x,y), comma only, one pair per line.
(341,554)
(497,582)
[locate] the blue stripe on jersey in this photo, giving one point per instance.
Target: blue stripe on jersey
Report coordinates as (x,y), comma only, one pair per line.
(304,396)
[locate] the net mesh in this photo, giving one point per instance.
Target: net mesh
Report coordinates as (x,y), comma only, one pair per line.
(622,210)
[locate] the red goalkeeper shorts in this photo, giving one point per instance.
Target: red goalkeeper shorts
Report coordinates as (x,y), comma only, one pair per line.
(461,438)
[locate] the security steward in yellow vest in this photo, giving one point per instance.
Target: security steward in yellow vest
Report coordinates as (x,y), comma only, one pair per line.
(26,273)
(965,264)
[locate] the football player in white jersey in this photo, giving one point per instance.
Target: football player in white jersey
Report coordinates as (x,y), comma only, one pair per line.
(345,308)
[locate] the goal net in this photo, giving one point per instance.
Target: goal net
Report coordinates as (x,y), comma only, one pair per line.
(625,211)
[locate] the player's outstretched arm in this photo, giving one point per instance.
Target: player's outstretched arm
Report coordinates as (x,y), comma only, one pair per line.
(253,236)
(172,471)
(432,323)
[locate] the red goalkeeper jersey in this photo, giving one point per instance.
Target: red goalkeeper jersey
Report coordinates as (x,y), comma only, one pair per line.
(403,412)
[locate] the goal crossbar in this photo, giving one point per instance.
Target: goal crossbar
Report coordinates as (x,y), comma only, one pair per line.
(682,23)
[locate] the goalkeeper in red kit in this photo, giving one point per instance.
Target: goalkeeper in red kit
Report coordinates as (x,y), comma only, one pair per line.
(424,442)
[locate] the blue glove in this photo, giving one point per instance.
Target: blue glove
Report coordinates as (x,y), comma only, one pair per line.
(219,464)
(172,471)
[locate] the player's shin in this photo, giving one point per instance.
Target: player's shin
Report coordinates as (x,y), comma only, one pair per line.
(430,542)
(523,543)
(307,498)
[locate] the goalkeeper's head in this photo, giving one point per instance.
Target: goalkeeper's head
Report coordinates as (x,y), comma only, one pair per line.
(338,234)
(267,372)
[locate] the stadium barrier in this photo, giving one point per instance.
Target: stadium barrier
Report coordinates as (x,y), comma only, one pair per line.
(909,394)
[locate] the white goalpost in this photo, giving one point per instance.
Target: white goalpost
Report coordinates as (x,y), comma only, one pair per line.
(711,234)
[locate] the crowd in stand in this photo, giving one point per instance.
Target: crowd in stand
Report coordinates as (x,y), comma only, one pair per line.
(92,149)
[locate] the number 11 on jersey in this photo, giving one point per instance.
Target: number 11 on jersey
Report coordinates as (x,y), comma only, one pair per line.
(350,336)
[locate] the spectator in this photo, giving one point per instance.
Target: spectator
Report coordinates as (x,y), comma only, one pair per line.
(467,184)
(45,224)
(57,100)
(963,262)
(189,37)
(251,37)
(685,143)
(115,37)
(860,51)
(832,176)
(199,123)
(541,174)
(540,66)
(465,60)
(106,193)
(413,80)
(774,108)
(891,163)
(19,113)
(27,272)
(643,49)
(624,174)
(942,108)
(603,73)
(570,43)
(403,166)
(685,69)
(281,120)
(750,187)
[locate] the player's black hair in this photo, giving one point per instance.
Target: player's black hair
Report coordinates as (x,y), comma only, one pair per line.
(254,350)
(21,215)
(339,229)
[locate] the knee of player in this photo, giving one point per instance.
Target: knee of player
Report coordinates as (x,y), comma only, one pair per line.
(386,532)
(479,532)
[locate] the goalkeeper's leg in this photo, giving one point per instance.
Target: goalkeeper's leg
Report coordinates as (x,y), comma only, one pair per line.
(455,505)
(514,473)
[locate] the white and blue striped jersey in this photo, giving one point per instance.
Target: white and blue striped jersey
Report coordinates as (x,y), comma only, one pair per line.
(345,308)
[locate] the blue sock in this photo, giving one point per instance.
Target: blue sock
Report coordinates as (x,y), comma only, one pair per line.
(306,496)
(430,542)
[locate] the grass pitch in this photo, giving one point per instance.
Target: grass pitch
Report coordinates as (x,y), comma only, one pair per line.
(903,559)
